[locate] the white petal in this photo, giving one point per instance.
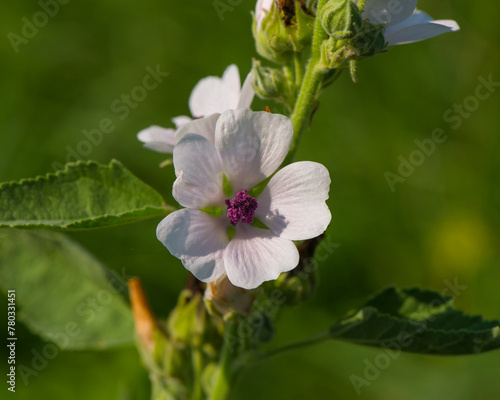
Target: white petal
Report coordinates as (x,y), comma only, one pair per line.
(252,145)
(293,203)
(388,11)
(158,139)
(199,171)
(202,126)
(181,120)
(256,255)
(247,92)
(216,95)
(418,17)
(197,239)
(416,33)
(231,76)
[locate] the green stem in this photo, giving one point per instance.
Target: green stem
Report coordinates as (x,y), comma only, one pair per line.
(306,100)
(321,337)
(197,360)
(287,70)
(159,391)
(225,375)
(299,70)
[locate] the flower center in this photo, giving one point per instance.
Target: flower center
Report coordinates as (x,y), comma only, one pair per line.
(242,207)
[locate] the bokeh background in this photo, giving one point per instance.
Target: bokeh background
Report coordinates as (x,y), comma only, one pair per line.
(441,224)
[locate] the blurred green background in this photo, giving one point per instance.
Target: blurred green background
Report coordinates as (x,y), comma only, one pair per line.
(441,224)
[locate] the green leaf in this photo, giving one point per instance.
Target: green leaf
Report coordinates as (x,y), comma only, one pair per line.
(83,195)
(418,321)
(64,294)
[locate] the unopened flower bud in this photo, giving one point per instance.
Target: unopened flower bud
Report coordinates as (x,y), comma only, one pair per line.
(225,298)
(270,83)
(341,19)
(370,41)
(334,53)
(299,284)
(279,32)
(147,329)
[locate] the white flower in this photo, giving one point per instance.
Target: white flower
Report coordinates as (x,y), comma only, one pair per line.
(261,9)
(247,148)
(404,23)
(210,95)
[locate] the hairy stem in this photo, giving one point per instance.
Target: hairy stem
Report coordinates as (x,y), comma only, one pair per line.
(225,374)
(299,70)
(306,100)
(321,337)
(197,360)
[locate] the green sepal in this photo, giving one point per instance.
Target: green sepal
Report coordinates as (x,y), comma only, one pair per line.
(226,186)
(259,188)
(167,162)
(338,53)
(369,42)
(256,223)
(230,232)
(213,211)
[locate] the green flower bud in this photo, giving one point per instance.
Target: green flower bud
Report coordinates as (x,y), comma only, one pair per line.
(298,285)
(341,53)
(370,41)
(280,34)
(190,323)
(270,83)
(223,298)
(335,53)
(341,19)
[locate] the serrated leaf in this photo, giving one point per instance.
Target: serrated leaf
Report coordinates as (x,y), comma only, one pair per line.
(63,293)
(418,321)
(84,195)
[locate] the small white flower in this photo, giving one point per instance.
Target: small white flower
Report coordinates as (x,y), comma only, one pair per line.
(210,95)
(247,148)
(404,23)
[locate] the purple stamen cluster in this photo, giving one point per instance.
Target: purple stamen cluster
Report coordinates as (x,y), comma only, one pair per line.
(242,207)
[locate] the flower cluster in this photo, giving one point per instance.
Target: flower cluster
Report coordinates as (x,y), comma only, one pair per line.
(402,22)
(240,215)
